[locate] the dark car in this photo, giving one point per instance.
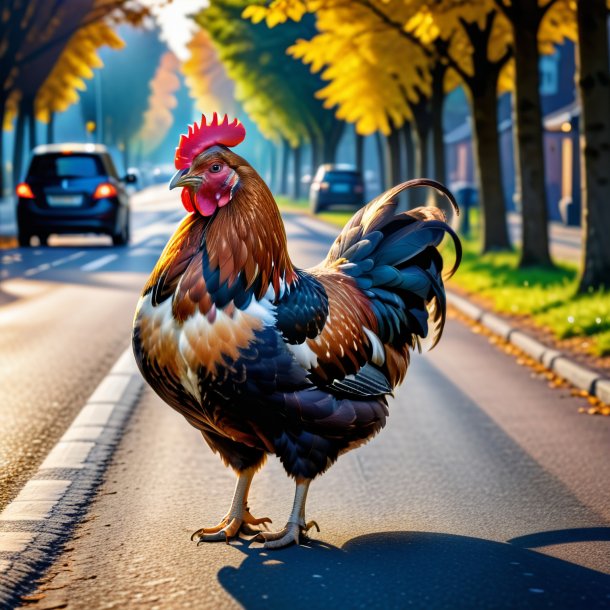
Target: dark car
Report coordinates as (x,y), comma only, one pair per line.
(72,188)
(336,185)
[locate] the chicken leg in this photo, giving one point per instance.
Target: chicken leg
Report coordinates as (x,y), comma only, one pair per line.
(296,527)
(238,518)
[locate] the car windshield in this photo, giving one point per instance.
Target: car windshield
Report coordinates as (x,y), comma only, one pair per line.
(341,175)
(66,166)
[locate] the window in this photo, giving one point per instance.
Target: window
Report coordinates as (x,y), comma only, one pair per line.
(66,166)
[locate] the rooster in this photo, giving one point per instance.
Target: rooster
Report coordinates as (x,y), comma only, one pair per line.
(265,358)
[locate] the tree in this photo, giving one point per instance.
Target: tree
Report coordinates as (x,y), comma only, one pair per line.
(207,79)
(594,87)
(126,76)
(276,92)
(74,66)
(33,34)
(159,117)
(528,36)
(473,40)
(477,41)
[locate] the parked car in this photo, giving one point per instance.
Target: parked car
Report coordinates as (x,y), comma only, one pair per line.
(336,185)
(73,188)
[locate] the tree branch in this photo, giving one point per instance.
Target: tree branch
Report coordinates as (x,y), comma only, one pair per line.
(394,25)
(507,9)
(95,16)
(545,9)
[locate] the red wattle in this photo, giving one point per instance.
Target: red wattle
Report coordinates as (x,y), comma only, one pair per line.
(206,205)
(186,201)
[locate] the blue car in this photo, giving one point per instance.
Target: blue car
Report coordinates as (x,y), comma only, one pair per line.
(336,185)
(72,188)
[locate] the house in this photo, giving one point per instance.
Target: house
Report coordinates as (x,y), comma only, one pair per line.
(560,110)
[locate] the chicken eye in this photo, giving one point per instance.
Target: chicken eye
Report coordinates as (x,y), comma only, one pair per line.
(215,168)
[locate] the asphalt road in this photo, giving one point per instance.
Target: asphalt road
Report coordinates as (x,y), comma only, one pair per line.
(487,489)
(65,316)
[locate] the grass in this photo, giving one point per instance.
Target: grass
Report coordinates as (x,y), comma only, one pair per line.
(545,296)
(336,217)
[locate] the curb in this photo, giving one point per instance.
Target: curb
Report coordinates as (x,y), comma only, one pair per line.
(580,376)
(36,524)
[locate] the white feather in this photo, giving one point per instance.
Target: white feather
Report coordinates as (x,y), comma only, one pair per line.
(304,355)
(378,357)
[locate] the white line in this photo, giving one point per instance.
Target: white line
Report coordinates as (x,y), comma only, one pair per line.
(56,263)
(142,251)
(59,498)
(99,262)
(67,259)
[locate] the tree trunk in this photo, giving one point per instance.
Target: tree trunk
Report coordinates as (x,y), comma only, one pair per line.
(394,166)
(272,166)
(393,169)
(359,152)
(316,155)
(422,122)
(51,128)
(2,111)
(528,134)
(409,164)
(296,168)
(284,170)
(438,142)
(436,110)
(331,142)
(594,86)
(381,160)
(487,165)
(126,154)
(31,116)
(18,146)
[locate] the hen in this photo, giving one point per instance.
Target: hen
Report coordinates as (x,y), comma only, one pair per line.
(265,358)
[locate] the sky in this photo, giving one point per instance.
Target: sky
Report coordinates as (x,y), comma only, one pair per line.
(176,27)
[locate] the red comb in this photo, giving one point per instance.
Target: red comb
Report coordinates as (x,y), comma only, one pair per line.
(202,136)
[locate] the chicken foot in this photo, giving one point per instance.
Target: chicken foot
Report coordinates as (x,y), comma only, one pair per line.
(237,519)
(296,528)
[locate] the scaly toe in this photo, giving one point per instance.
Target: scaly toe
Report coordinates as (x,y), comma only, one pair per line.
(209,530)
(250,520)
(251,531)
(224,531)
(291,534)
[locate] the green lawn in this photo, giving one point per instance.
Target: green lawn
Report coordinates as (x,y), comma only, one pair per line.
(548,296)
(286,204)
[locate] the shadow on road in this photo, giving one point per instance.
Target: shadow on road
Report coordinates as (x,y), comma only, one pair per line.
(418,570)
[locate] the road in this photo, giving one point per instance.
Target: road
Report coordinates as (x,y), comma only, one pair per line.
(66,313)
(487,489)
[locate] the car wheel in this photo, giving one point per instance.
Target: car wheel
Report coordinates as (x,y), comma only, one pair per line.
(24,239)
(122,238)
(317,207)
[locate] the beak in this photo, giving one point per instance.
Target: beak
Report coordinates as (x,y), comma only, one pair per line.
(182,178)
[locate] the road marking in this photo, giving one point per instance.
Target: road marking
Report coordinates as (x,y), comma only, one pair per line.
(99,262)
(111,389)
(15,542)
(57,496)
(71,454)
(37,510)
(56,263)
(141,251)
(94,415)
(67,259)
(36,491)
(38,269)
